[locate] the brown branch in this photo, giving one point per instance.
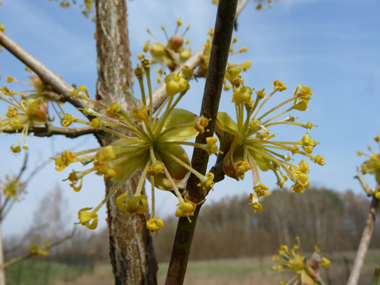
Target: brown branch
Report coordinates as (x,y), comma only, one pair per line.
(214,82)
(159,94)
(51,130)
(48,76)
(364,242)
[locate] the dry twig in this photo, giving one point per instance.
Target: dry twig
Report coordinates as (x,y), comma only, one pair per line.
(364,241)
(48,76)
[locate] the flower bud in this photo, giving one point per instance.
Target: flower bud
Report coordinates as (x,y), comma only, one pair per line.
(157,50)
(175,42)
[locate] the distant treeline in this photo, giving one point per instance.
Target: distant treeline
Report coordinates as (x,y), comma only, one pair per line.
(229,228)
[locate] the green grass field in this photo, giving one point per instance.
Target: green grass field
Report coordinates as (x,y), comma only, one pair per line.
(216,272)
(33,272)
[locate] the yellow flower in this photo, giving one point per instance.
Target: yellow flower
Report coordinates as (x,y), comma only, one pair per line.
(207,182)
(154,147)
(242,95)
(134,205)
(231,73)
(154,224)
(85,217)
(175,84)
(39,248)
(250,140)
(24,114)
(241,168)
(64,160)
(372,165)
(325,262)
(67,120)
(278,85)
(294,261)
(212,148)
(140,114)
(202,123)
(246,65)
(307,143)
(12,187)
(185,209)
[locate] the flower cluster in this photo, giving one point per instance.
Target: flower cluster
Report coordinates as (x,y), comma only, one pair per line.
(39,248)
(12,187)
(171,54)
(249,143)
(372,166)
(294,261)
(260,5)
(86,7)
(29,110)
(153,148)
(203,65)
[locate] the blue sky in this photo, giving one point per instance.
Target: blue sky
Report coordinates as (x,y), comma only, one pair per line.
(331,46)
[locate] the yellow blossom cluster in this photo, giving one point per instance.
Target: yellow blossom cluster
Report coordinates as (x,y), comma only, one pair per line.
(86,6)
(372,166)
(12,187)
(250,141)
(153,148)
(171,54)
(294,261)
(39,248)
(29,110)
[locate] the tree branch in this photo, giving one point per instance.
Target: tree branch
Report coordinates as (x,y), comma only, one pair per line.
(48,76)
(51,130)
(214,82)
(362,182)
(364,242)
(159,94)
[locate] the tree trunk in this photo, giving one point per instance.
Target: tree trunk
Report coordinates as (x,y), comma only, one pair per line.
(131,249)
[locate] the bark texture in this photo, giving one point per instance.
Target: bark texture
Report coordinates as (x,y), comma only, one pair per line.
(131,249)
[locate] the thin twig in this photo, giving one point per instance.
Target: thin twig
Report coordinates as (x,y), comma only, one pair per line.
(29,255)
(51,130)
(211,97)
(159,94)
(362,182)
(48,76)
(364,242)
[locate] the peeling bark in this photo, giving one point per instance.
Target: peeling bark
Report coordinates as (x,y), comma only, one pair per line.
(131,249)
